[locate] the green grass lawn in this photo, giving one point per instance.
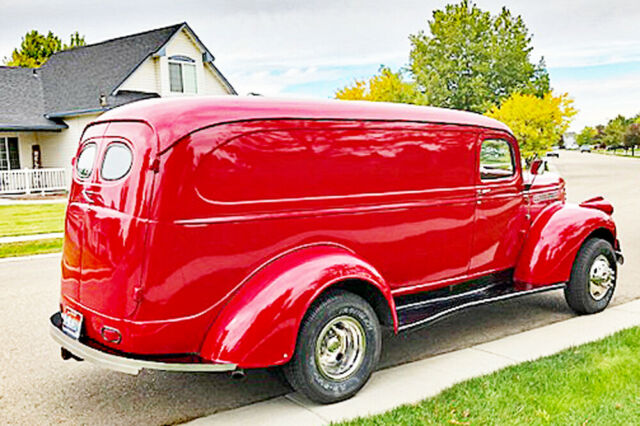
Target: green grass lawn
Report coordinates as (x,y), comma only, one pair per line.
(26,248)
(594,384)
(619,153)
(31,219)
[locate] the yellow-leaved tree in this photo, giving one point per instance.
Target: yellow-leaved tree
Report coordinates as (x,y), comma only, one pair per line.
(387,86)
(537,123)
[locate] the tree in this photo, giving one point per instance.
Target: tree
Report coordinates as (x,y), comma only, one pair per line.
(586,136)
(471,60)
(386,86)
(537,123)
(36,48)
(632,137)
(614,131)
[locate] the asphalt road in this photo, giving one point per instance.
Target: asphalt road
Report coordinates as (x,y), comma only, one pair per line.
(37,387)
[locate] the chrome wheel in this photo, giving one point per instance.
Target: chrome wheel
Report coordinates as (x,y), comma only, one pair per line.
(601,277)
(340,348)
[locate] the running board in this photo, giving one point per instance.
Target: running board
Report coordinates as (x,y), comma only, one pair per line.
(421,309)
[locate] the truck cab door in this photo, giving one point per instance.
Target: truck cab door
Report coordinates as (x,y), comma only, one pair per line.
(500,218)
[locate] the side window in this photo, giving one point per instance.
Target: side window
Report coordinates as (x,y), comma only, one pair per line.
(117,161)
(84,165)
(496,159)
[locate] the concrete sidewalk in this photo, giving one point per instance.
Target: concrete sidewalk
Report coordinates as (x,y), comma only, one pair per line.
(31,237)
(13,202)
(413,382)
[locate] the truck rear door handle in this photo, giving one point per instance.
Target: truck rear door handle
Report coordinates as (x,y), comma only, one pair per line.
(86,194)
(483,191)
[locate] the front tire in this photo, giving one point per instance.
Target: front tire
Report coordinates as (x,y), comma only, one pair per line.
(338,348)
(593,277)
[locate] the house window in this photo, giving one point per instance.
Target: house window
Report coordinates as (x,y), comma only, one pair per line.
(9,154)
(182,74)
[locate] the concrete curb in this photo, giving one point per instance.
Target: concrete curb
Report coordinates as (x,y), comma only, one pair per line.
(31,237)
(415,381)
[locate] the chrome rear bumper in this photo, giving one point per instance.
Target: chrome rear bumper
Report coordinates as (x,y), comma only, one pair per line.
(122,363)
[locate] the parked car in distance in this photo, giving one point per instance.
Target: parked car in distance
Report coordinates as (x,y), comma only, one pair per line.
(223,234)
(555,152)
(585,148)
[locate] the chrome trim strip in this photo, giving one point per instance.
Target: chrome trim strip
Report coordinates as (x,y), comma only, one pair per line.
(444,298)
(480,302)
(128,365)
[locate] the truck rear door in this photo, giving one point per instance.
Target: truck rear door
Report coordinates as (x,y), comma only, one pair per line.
(108,219)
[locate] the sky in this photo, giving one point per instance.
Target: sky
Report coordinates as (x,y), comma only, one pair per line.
(310,48)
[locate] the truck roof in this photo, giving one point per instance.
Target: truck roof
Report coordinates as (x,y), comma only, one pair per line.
(174,118)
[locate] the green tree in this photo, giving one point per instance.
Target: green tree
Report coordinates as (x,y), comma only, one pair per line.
(586,136)
(632,137)
(36,48)
(386,86)
(471,60)
(613,135)
(537,123)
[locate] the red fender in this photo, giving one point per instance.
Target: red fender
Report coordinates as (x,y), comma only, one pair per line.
(259,325)
(553,242)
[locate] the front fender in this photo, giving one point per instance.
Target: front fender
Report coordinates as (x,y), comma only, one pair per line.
(259,326)
(554,240)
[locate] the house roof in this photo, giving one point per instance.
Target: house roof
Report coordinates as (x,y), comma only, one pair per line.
(174,118)
(73,81)
(22,101)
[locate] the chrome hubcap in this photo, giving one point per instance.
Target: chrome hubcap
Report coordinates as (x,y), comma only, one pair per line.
(601,277)
(340,348)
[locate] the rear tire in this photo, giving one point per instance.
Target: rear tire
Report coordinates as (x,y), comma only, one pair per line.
(593,277)
(338,348)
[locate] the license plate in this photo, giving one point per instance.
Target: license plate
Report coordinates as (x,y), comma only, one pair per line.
(71,323)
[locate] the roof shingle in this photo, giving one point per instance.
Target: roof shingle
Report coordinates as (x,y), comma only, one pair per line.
(22,101)
(73,81)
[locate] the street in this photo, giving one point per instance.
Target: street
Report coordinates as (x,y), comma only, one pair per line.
(37,386)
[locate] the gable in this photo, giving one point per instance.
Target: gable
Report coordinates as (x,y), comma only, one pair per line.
(153,74)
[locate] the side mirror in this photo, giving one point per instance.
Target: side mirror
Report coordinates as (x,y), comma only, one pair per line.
(537,166)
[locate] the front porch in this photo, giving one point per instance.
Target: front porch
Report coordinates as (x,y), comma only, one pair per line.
(34,163)
(32,181)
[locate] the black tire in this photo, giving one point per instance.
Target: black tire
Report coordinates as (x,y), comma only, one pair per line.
(303,371)
(578,291)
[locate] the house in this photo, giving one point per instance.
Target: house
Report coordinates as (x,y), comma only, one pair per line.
(43,111)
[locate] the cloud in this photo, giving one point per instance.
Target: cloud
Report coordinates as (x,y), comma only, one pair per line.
(312,47)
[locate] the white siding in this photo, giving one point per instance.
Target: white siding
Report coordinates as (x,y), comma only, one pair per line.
(153,73)
(25,140)
(58,148)
(146,78)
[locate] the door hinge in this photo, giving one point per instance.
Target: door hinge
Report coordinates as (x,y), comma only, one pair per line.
(155,165)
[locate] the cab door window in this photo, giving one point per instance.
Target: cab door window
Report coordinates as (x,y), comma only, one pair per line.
(496,160)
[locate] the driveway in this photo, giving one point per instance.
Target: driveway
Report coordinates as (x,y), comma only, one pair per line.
(37,387)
